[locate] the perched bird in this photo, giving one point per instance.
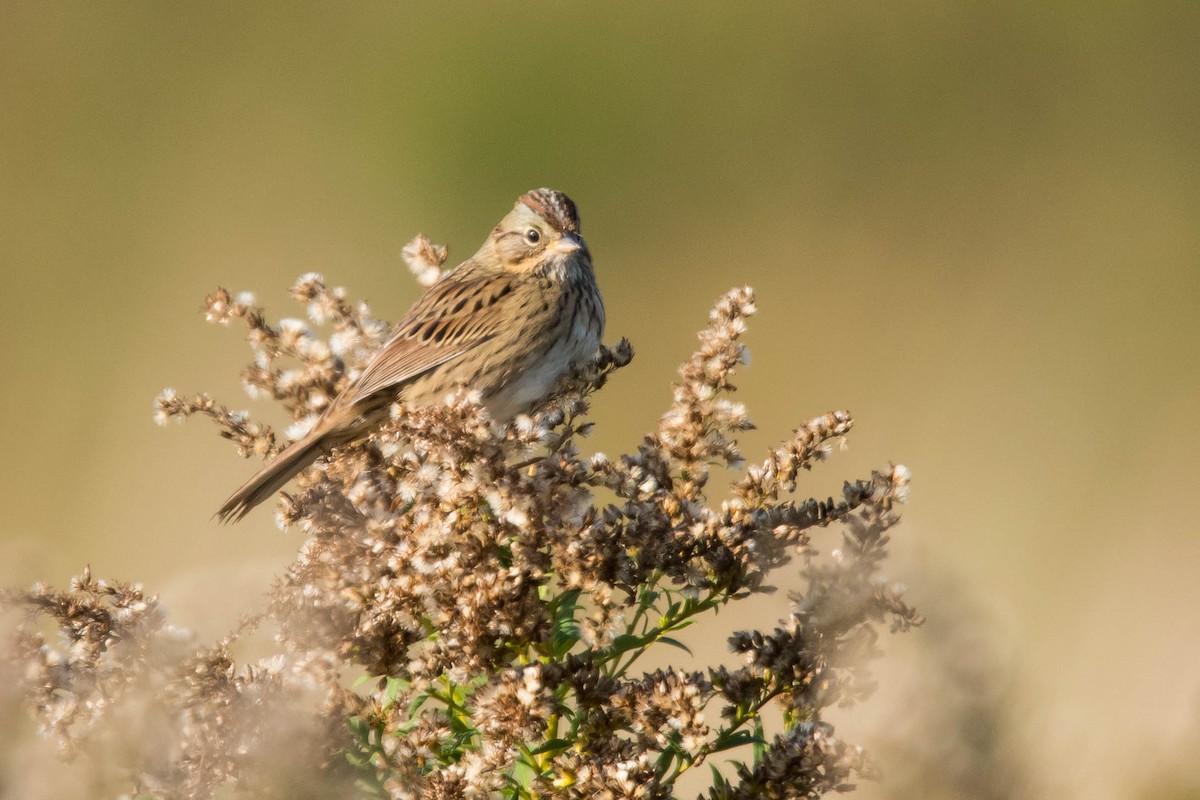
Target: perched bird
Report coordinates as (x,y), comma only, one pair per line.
(507,322)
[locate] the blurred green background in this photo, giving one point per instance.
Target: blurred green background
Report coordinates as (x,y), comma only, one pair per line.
(973,224)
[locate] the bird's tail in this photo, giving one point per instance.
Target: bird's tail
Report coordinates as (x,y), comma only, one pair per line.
(273,476)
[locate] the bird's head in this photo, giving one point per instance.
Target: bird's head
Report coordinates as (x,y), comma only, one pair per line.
(540,231)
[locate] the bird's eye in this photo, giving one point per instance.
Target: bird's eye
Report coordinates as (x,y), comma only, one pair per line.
(533,236)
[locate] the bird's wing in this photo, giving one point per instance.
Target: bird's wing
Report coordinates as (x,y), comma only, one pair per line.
(456,315)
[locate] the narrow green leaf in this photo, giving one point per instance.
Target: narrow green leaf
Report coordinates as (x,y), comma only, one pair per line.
(394,687)
(553,744)
(664,761)
(676,643)
(358,726)
(680,625)
(523,772)
(416,704)
(626,642)
(737,739)
(760,747)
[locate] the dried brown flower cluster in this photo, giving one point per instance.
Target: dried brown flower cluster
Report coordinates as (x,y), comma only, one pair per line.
(494,605)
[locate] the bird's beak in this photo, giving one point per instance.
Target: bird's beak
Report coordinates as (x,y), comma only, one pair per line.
(567,243)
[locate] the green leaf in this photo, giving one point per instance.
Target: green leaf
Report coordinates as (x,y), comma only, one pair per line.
(680,625)
(394,687)
(737,739)
(626,642)
(358,726)
(565,604)
(566,629)
(523,771)
(664,761)
(718,780)
(552,745)
(676,643)
(760,746)
(416,704)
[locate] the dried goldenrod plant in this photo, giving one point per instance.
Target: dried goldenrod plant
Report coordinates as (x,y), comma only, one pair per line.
(470,603)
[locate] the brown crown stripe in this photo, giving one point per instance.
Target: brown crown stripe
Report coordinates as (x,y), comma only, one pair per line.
(554,207)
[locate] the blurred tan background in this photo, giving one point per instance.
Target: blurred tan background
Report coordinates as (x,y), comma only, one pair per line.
(974,225)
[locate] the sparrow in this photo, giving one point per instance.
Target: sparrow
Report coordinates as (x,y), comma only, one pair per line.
(508,322)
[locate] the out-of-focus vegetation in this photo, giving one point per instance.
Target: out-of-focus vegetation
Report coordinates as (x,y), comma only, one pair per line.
(974,225)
